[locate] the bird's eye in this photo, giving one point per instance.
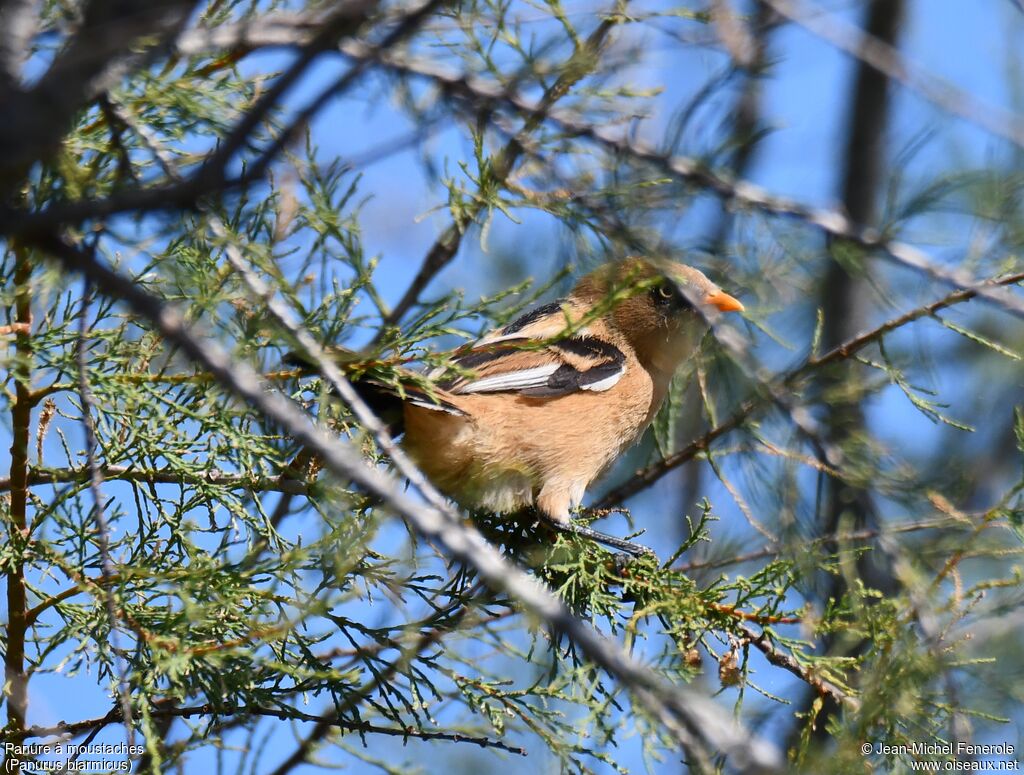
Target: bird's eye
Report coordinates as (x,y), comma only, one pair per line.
(667,297)
(663,293)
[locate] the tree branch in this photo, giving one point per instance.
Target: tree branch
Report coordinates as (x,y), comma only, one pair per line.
(72,729)
(15,689)
(41,476)
(787,662)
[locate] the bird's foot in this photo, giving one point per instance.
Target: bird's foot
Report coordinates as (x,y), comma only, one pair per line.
(575,528)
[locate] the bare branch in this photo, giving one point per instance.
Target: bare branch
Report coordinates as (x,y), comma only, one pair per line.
(886,59)
(67,730)
(41,476)
(279,29)
(344,21)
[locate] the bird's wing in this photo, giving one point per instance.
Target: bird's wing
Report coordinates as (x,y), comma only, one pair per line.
(533,357)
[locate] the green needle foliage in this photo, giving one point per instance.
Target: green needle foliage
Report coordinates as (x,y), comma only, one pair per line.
(197,584)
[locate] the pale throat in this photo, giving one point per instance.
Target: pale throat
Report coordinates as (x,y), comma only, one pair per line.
(666,350)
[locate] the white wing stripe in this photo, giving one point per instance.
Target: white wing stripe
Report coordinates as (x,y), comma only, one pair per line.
(514,380)
(605,384)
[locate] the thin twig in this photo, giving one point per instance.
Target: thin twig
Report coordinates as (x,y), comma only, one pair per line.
(408,25)
(780,659)
(74,728)
(328,721)
(41,476)
(347,19)
(99,513)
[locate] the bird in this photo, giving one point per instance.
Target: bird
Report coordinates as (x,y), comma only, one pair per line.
(531,414)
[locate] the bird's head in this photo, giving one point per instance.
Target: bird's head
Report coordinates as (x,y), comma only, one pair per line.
(661,307)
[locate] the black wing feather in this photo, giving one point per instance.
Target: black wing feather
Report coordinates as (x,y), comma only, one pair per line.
(532,316)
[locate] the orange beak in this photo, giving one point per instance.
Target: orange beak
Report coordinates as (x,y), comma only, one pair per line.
(723,302)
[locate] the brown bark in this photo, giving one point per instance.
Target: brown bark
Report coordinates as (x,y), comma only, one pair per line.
(15,690)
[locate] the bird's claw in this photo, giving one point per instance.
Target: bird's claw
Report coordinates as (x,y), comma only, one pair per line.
(626,547)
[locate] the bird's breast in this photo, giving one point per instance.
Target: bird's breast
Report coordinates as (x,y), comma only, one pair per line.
(508,446)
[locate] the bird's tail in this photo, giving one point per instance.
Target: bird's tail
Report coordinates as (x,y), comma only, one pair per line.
(386,398)
(382,399)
